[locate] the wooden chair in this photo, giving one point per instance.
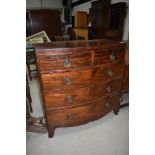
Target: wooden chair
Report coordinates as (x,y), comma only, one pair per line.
(30,60)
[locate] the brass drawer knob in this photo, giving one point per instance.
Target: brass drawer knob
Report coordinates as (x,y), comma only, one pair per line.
(121,99)
(107,104)
(112,57)
(68,81)
(108,89)
(67,63)
(70,116)
(110,72)
(69,99)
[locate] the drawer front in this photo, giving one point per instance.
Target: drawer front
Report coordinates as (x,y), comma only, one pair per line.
(82,77)
(103,57)
(75,97)
(48,63)
(82,113)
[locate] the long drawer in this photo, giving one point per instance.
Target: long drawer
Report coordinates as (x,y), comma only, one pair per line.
(64,61)
(75,97)
(76,78)
(81,58)
(87,112)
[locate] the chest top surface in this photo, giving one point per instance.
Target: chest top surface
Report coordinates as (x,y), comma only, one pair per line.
(87,44)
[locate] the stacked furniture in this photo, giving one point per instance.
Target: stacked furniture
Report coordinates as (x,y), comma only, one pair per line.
(81,19)
(80,25)
(80,80)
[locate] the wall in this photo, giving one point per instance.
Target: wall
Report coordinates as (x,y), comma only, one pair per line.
(86,6)
(45,4)
(82,7)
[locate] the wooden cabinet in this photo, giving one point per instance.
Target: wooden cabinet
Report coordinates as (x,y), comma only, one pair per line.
(116,21)
(80,19)
(81,33)
(80,80)
(80,24)
(43,20)
(107,20)
(97,14)
(99,18)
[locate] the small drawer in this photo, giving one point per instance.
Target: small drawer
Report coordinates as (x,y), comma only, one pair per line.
(78,78)
(75,97)
(103,57)
(82,113)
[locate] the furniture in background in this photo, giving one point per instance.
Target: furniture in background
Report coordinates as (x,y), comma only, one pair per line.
(62,38)
(39,37)
(80,80)
(80,19)
(80,25)
(112,35)
(81,33)
(71,33)
(28,100)
(99,18)
(107,20)
(30,60)
(43,20)
(40,22)
(116,21)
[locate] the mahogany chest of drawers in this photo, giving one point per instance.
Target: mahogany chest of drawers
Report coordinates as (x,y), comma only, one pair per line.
(80,80)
